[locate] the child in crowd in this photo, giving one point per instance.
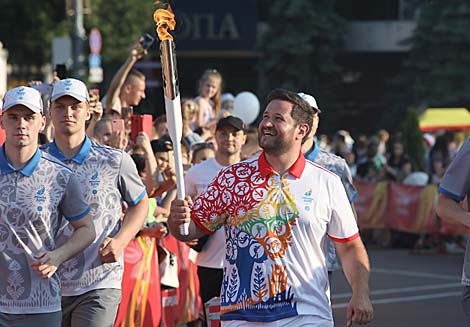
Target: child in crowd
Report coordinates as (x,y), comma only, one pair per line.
(202,152)
(209,98)
(189,111)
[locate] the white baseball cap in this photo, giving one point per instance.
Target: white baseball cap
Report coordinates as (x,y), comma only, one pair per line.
(25,96)
(310,100)
(71,87)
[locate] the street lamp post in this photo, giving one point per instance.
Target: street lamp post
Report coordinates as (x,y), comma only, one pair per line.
(78,37)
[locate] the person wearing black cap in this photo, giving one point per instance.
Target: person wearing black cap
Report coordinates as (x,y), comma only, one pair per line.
(230,137)
(334,164)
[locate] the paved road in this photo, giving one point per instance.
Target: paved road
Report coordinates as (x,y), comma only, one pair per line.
(408,290)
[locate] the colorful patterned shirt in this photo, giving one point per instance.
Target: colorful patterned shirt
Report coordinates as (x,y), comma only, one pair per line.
(33,202)
(108,177)
(275,228)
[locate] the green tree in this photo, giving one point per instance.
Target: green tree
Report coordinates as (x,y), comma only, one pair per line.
(412,139)
(28,27)
(299,41)
(435,72)
(121,24)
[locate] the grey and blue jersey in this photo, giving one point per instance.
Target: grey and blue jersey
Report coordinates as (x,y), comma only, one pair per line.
(108,177)
(34,201)
(456,185)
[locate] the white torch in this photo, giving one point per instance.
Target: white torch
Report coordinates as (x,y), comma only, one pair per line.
(164,20)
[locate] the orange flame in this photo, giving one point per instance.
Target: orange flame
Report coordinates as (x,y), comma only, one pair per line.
(165,19)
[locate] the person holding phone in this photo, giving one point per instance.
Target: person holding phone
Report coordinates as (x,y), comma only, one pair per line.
(127,87)
(119,136)
(96,111)
(111,132)
(91,282)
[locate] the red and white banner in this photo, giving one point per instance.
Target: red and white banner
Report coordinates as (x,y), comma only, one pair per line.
(401,207)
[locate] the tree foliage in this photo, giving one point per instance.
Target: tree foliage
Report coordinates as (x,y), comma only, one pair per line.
(435,73)
(299,45)
(121,23)
(412,139)
(28,27)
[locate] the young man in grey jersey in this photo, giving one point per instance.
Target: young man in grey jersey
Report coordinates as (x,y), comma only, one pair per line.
(453,189)
(91,282)
(36,193)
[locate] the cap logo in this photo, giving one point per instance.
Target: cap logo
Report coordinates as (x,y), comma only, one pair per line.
(68,84)
(20,93)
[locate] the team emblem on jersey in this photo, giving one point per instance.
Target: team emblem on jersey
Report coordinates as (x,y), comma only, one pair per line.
(307,197)
(94,182)
(40,197)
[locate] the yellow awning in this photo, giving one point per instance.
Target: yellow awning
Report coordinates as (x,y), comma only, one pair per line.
(433,119)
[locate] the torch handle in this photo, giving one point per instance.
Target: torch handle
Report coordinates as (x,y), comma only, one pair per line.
(175,129)
(184,229)
(179,170)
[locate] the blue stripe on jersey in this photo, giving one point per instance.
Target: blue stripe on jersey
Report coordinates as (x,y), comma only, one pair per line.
(454,196)
(354,197)
(140,197)
(80,216)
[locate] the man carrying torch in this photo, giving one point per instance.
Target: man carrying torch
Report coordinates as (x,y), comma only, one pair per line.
(276,210)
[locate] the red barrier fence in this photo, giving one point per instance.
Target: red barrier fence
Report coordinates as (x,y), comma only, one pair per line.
(401,207)
(144,301)
(141,301)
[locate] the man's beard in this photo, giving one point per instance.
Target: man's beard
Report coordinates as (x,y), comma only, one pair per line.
(275,148)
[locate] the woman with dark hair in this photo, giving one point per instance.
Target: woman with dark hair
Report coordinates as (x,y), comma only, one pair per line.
(398,164)
(439,159)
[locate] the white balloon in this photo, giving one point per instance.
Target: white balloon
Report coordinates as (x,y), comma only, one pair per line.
(246,106)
